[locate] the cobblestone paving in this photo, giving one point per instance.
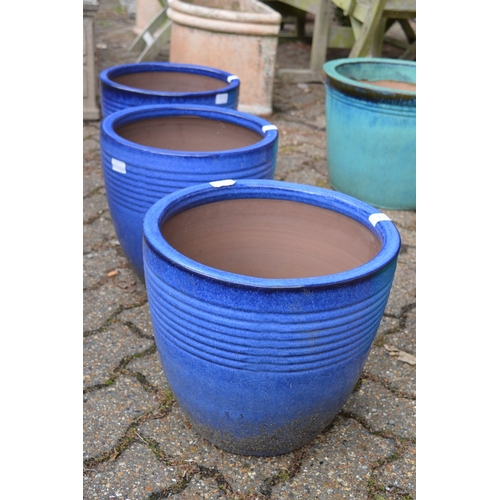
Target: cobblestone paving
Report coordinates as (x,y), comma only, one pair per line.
(137,442)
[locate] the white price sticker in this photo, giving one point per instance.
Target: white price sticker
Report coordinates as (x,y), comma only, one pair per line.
(221,99)
(374,218)
(118,166)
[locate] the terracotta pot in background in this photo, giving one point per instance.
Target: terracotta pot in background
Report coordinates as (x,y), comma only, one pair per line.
(242,40)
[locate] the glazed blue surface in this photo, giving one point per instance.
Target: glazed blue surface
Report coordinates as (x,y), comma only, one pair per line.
(261,366)
(136,176)
(115,96)
(371,134)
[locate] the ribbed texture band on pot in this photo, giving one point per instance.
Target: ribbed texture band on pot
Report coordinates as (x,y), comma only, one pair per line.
(145,183)
(252,340)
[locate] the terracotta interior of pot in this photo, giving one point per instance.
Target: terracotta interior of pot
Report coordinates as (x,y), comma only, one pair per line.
(170,81)
(392,84)
(387,75)
(270,238)
(188,133)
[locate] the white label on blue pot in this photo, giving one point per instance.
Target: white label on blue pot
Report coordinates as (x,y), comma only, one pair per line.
(218,184)
(118,166)
(374,218)
(230,78)
(221,99)
(265,128)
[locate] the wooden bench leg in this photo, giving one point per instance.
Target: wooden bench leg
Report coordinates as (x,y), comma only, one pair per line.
(366,38)
(318,49)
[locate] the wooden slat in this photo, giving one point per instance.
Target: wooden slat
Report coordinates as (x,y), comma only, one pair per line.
(341,37)
(310,6)
(151,51)
(396,9)
(320,35)
(368,32)
(147,36)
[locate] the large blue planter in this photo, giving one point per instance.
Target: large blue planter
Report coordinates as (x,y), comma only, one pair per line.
(150,151)
(140,84)
(265,298)
(371,136)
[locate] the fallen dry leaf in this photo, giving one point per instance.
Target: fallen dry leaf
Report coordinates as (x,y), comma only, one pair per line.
(400,355)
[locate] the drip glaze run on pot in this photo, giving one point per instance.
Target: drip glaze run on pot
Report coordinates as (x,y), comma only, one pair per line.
(188,133)
(299,240)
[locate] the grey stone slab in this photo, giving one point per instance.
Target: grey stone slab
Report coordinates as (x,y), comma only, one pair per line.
(337,465)
(382,410)
(98,263)
(102,303)
(396,479)
(202,487)
(103,351)
(245,475)
(408,256)
(299,172)
(403,292)
(301,156)
(91,145)
(408,236)
(92,178)
(91,134)
(95,206)
(98,233)
(387,324)
(134,475)
(140,317)
(150,367)
(403,218)
(108,412)
(405,339)
(396,374)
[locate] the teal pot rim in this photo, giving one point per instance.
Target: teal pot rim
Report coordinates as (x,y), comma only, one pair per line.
(200,194)
(334,79)
(267,131)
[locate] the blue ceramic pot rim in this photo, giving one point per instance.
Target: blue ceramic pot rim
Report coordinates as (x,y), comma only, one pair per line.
(190,197)
(126,69)
(268,131)
(333,78)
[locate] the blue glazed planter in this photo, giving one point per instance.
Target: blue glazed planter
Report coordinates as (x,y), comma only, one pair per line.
(371,136)
(150,151)
(140,84)
(265,298)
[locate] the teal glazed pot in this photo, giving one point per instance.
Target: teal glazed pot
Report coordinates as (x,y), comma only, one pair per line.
(265,298)
(370,127)
(140,84)
(150,151)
